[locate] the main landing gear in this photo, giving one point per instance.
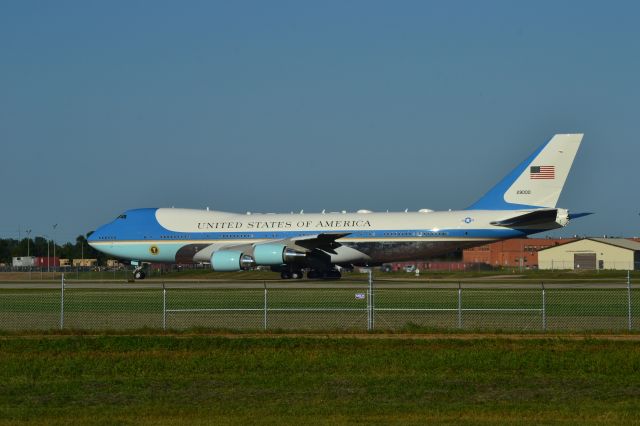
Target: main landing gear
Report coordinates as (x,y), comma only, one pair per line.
(296,274)
(332,274)
(312,275)
(288,273)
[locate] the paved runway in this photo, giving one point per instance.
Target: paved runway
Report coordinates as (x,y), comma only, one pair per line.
(304,284)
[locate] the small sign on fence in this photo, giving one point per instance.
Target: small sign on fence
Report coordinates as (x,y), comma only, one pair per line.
(360,296)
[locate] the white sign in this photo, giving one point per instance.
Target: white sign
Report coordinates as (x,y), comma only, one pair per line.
(360,296)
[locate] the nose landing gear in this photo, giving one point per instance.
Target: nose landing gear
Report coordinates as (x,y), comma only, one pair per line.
(139,275)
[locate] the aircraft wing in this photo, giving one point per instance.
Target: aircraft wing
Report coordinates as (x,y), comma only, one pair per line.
(325,242)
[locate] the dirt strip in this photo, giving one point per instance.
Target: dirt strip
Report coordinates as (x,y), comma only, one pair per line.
(361,336)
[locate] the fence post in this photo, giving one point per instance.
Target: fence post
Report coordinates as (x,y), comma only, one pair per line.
(164,307)
(459,305)
(264,319)
(373,300)
(544,308)
(62,302)
(369,302)
(629,298)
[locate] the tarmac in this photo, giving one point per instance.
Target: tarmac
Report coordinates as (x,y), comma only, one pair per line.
(304,284)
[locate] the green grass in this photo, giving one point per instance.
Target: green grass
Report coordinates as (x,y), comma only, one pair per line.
(282,380)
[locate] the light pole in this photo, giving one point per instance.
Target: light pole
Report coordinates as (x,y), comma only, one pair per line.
(48,241)
(28,231)
(54,244)
(29,257)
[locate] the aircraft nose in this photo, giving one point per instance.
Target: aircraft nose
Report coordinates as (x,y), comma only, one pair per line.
(99,234)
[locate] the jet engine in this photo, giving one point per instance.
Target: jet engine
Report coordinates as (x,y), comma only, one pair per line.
(275,254)
(230,261)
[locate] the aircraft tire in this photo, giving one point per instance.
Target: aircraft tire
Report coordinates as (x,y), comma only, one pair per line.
(285,275)
(334,275)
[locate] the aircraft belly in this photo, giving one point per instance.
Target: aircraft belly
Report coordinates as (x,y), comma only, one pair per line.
(355,252)
(193,253)
(381,252)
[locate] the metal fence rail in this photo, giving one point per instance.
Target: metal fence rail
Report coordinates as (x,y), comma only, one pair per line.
(370,306)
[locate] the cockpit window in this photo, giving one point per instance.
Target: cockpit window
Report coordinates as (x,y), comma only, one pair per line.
(122,216)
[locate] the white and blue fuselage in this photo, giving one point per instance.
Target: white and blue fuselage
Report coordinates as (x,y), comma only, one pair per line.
(177,235)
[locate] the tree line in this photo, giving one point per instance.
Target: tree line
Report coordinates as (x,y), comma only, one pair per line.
(37,246)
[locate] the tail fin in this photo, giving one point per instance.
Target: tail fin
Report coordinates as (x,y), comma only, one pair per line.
(537,181)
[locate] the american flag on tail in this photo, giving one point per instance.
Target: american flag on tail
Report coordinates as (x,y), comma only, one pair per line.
(543,172)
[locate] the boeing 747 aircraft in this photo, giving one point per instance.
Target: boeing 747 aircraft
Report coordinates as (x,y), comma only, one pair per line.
(523,203)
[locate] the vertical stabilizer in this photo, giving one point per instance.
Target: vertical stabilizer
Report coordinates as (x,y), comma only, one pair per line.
(538,181)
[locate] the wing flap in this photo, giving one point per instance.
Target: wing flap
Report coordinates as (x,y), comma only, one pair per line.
(325,242)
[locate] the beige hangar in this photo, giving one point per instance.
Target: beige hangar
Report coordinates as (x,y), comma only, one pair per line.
(592,254)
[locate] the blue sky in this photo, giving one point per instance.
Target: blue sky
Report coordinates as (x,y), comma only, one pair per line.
(280,106)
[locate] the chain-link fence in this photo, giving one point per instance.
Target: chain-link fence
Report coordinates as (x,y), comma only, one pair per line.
(98,273)
(334,306)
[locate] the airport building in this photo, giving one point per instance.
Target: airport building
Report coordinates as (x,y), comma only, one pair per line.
(592,254)
(113,263)
(23,261)
(47,262)
(84,263)
(518,252)
(35,261)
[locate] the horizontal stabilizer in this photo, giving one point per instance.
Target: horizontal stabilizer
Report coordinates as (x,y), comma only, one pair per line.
(537,217)
(577,215)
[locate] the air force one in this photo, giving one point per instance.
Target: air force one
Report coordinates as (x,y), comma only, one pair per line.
(523,203)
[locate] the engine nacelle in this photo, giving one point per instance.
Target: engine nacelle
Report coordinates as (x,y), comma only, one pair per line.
(230,261)
(275,254)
